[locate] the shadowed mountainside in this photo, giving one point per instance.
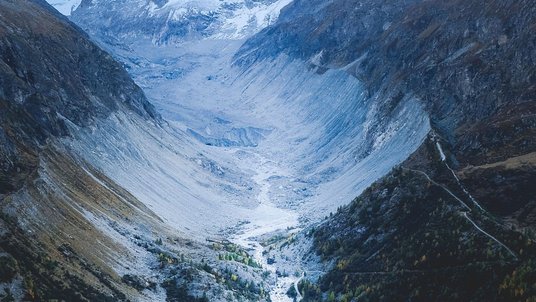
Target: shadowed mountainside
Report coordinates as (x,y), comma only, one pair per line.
(473,67)
(52,74)
(51,202)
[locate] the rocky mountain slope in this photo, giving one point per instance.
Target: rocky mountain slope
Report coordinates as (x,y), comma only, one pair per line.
(68,231)
(473,68)
(52,76)
(64,93)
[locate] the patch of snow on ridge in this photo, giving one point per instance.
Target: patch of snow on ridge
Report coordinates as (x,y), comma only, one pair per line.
(65,6)
(238,20)
(258,17)
(201,4)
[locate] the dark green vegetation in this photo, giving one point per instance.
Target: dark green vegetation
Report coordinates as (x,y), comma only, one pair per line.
(179,294)
(408,238)
(231,252)
(180,276)
(191,278)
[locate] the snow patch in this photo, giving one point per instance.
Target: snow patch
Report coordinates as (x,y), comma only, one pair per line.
(66,7)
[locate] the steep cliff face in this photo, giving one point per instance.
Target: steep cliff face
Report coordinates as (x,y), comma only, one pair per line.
(472,66)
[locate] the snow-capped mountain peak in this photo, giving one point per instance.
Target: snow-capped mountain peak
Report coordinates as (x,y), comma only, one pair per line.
(166,22)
